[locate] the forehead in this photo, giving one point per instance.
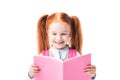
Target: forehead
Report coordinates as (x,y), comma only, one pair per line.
(59,26)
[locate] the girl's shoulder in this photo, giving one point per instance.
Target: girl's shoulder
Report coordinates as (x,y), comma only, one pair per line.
(74,51)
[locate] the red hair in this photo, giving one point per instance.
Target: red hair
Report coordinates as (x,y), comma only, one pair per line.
(73,21)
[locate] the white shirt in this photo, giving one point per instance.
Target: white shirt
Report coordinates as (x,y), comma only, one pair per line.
(60,53)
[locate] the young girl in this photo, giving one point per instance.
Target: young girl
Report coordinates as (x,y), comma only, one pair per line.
(58,33)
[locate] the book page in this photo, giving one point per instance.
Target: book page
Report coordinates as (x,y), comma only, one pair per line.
(51,69)
(74,68)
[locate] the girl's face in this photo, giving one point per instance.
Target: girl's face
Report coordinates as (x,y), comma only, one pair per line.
(59,34)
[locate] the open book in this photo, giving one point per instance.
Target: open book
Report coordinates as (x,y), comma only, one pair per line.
(70,69)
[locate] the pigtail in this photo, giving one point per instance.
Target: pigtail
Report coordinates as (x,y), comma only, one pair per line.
(76,41)
(42,34)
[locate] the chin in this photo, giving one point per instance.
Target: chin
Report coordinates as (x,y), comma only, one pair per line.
(60,47)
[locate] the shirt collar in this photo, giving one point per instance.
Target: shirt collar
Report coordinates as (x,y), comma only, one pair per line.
(55,52)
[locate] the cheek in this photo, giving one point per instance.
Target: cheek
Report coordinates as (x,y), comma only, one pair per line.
(67,39)
(51,38)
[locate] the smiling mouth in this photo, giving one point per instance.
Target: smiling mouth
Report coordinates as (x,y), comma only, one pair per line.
(59,42)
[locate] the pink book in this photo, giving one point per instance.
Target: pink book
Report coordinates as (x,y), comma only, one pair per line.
(70,69)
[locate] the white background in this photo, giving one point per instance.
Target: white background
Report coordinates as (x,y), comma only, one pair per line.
(100,20)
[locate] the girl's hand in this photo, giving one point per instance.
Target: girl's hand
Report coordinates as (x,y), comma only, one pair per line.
(32,70)
(90,70)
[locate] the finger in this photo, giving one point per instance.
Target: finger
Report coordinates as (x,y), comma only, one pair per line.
(88,64)
(93,66)
(86,70)
(33,65)
(90,73)
(36,69)
(90,70)
(90,67)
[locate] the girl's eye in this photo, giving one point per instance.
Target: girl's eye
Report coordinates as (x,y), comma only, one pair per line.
(53,33)
(63,34)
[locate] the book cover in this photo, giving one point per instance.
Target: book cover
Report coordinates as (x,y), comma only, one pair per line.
(55,69)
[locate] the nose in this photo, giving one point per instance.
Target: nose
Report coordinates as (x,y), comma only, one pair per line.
(58,37)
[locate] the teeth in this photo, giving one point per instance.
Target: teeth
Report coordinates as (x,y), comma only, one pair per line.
(59,42)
